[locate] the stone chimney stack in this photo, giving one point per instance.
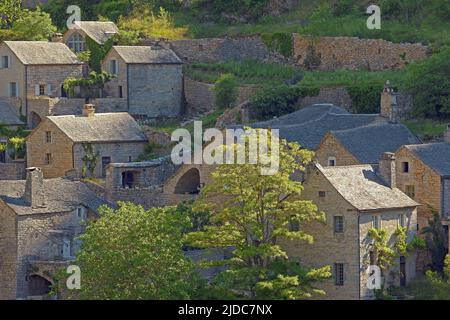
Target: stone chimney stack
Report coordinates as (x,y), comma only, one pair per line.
(387,169)
(389,107)
(447,134)
(88,110)
(57,37)
(34,188)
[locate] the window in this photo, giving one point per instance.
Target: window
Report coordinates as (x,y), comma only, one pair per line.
(76,43)
(410,191)
(339,274)
(322,194)
(120,92)
(48,159)
(376,222)
(105,162)
(48,136)
(65,252)
(294,225)
(402,220)
(42,89)
(81,213)
(331,161)
(338,222)
(113,67)
(5,62)
(13,89)
(405,167)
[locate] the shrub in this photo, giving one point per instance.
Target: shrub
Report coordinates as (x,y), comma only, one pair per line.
(225,91)
(147,24)
(279,100)
(365,98)
(280,42)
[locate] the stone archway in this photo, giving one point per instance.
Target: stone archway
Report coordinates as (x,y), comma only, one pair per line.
(38,286)
(35,119)
(189,183)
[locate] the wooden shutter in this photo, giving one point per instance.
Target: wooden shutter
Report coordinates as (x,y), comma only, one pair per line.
(49,89)
(36,90)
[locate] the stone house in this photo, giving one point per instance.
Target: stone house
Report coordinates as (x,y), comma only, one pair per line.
(423,172)
(362,145)
(34,70)
(62,143)
(354,199)
(98,31)
(39,222)
(150,78)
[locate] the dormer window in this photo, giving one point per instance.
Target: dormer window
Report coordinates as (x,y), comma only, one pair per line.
(331,161)
(76,43)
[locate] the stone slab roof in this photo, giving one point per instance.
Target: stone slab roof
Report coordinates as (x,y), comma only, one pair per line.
(309,125)
(99,31)
(364,189)
(102,127)
(368,143)
(434,155)
(42,52)
(8,115)
(310,113)
(147,55)
(62,195)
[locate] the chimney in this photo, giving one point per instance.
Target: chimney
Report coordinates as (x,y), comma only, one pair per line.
(57,37)
(389,107)
(34,188)
(447,134)
(88,110)
(387,169)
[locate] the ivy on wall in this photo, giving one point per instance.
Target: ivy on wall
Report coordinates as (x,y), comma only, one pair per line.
(279,42)
(365,97)
(90,160)
(278,101)
(98,52)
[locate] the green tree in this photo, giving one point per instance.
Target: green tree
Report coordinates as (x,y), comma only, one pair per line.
(429,83)
(225,91)
(254,213)
(436,241)
(132,253)
(34,26)
(11,10)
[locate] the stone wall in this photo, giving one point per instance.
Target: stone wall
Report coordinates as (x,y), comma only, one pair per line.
(12,171)
(331,147)
(117,152)
(221,49)
(353,53)
(8,253)
(200,95)
(60,148)
(336,95)
(446,194)
(155,90)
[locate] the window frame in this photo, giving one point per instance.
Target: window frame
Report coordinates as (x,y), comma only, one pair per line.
(332,159)
(406,167)
(338,224)
(410,191)
(76,42)
(339,279)
(48,159)
(7,64)
(48,137)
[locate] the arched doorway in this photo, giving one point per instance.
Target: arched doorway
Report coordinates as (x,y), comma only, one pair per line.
(189,183)
(35,120)
(38,286)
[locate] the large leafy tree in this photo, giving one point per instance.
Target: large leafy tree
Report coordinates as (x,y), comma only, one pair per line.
(436,240)
(429,83)
(132,253)
(34,26)
(11,10)
(250,214)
